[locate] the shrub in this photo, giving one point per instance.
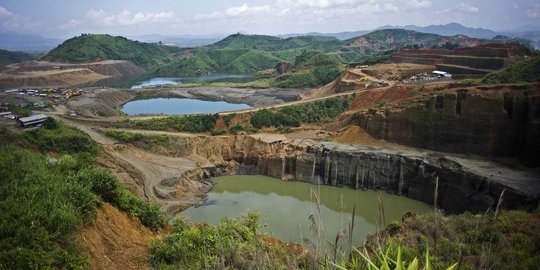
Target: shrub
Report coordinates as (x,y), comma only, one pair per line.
(293,116)
(231,244)
(106,185)
(238,128)
(50,123)
(217,132)
(100,181)
(189,123)
(63,139)
(228,118)
(20,111)
(148,213)
(417,90)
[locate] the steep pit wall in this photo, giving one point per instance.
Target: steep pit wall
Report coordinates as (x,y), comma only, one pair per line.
(496,121)
(464,184)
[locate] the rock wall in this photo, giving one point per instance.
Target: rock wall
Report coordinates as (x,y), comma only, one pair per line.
(462,186)
(487,122)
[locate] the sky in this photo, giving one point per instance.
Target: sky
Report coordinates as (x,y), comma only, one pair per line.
(66,18)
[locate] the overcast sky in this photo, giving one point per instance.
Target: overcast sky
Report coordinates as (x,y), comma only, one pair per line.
(65,18)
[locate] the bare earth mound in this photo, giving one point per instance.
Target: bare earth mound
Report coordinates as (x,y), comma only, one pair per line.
(115,241)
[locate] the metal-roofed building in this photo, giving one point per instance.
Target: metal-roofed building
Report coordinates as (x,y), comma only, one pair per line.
(442,74)
(33,120)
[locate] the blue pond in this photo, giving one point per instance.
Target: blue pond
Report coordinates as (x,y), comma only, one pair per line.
(175,106)
(215,77)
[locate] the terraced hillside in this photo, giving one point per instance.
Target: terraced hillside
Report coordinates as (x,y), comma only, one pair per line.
(464,62)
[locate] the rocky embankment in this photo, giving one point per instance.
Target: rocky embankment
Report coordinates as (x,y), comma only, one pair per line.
(492,121)
(463,184)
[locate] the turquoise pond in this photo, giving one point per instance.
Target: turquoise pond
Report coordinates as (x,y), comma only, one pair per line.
(178,106)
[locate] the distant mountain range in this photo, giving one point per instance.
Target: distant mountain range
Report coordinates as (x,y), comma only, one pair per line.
(181,40)
(526,32)
(27,42)
(35,43)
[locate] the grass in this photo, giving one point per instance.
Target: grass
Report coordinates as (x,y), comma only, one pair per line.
(506,241)
(46,201)
(88,47)
(188,123)
(157,143)
(231,244)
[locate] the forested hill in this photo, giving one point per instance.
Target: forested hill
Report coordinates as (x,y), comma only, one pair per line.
(271,43)
(240,53)
(89,47)
(10,57)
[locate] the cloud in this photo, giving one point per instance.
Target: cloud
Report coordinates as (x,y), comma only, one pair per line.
(127,18)
(534,12)
(320,3)
(247,10)
(466,7)
(4,12)
(243,11)
(462,7)
(415,4)
(72,24)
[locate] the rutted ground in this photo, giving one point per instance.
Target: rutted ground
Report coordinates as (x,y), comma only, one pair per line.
(43,73)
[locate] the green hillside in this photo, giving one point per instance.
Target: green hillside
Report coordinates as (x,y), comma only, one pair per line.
(10,57)
(524,71)
(87,48)
(388,39)
(270,43)
(248,53)
(310,69)
(204,61)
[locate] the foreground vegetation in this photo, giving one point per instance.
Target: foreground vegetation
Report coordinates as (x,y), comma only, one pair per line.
(231,244)
(509,240)
(46,200)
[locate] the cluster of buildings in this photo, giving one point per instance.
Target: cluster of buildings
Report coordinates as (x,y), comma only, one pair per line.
(424,77)
(29,121)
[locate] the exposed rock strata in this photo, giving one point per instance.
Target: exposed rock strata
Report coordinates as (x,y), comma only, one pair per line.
(464,184)
(489,121)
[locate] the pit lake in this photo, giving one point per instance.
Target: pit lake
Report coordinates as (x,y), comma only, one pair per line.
(214,77)
(286,207)
(177,106)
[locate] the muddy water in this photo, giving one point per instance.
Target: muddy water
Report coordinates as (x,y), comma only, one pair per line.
(287,206)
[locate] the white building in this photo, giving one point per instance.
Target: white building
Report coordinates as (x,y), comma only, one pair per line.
(442,74)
